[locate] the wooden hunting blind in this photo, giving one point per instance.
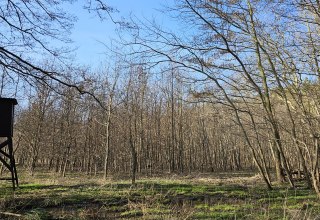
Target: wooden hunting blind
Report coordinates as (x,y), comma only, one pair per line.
(6,116)
(6,130)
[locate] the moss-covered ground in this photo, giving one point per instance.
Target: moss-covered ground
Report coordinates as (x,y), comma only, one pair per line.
(46,196)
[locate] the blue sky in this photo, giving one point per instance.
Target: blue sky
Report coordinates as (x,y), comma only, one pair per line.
(89,31)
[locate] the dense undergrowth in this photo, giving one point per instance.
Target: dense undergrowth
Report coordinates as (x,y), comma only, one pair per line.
(46,196)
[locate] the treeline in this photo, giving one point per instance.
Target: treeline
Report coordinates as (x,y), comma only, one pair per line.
(148,125)
(144,125)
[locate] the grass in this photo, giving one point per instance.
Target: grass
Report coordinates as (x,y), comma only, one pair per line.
(47,196)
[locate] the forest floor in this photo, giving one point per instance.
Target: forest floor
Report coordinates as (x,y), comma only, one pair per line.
(48,196)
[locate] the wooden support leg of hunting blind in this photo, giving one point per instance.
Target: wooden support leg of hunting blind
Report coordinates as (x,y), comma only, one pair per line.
(11,165)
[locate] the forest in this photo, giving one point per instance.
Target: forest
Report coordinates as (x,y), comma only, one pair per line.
(219,119)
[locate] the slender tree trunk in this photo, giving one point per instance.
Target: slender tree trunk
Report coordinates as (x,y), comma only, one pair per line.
(107,138)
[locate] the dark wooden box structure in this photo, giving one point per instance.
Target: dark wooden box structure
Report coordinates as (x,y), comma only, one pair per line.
(6,116)
(6,130)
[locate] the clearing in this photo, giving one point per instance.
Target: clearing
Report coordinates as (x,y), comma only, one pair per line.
(211,196)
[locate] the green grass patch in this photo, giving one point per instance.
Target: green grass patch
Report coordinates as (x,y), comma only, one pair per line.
(71,198)
(215,215)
